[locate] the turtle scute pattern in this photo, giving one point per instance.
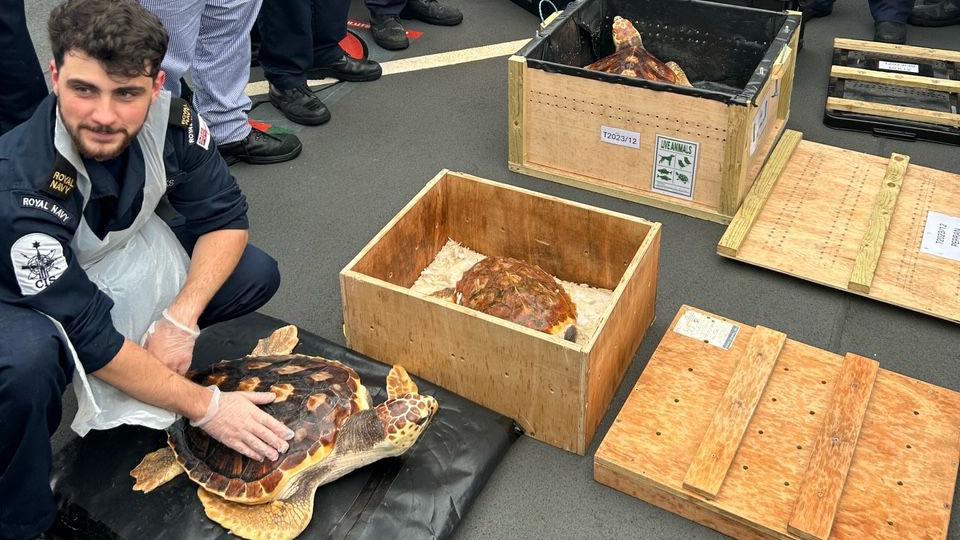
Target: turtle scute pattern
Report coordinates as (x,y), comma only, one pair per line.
(632,59)
(314,397)
(516,291)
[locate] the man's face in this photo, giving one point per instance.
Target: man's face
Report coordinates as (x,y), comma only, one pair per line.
(102,113)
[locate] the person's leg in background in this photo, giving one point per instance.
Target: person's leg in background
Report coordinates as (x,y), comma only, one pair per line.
(890,20)
(34,371)
(329,60)
(385,17)
(22,86)
(286,45)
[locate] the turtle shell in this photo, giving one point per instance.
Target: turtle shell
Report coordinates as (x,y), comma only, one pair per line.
(520,292)
(314,397)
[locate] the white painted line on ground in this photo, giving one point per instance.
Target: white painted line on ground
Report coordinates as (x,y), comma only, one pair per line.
(417,63)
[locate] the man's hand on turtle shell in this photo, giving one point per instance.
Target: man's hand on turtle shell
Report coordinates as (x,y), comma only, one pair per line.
(244,427)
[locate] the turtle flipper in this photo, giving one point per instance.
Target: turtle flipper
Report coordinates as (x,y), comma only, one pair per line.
(399,383)
(281,341)
(275,520)
(156,468)
(682,79)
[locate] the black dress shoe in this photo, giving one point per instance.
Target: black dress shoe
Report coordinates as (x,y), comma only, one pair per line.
(943,13)
(432,12)
(388,33)
(300,105)
(890,32)
(348,69)
(261,148)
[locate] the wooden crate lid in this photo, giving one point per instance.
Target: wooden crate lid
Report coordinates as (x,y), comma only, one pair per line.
(851,221)
(784,440)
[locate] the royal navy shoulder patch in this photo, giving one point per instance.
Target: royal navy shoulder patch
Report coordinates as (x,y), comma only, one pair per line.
(184,117)
(63,179)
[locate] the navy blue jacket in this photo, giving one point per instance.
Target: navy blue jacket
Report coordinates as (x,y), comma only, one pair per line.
(199,187)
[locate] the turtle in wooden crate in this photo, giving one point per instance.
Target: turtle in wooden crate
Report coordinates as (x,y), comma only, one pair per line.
(516,291)
(631,58)
(336,430)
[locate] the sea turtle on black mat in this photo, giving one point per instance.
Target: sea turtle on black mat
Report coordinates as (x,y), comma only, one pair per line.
(519,292)
(336,431)
(631,59)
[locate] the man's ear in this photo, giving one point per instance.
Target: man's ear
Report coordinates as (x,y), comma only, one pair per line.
(158,83)
(55,77)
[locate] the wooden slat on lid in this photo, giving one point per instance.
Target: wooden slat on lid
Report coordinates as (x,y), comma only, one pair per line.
(732,416)
(826,473)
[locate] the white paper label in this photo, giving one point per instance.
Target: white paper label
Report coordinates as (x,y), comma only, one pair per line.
(700,327)
(941,236)
(759,124)
(619,137)
(675,167)
(898,66)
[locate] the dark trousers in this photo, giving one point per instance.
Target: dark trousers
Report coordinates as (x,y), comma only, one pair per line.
(22,86)
(35,369)
(385,8)
(296,35)
(882,10)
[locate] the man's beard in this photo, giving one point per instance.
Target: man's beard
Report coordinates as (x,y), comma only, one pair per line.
(103,154)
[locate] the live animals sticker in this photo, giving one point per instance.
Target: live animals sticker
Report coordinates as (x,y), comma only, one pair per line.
(674,167)
(941,236)
(700,327)
(619,137)
(901,67)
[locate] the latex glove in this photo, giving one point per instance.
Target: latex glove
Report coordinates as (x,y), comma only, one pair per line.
(172,342)
(234,419)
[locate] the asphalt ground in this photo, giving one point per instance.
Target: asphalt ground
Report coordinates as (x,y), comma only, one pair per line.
(389,137)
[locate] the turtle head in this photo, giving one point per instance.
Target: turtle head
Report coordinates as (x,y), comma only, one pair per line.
(404,418)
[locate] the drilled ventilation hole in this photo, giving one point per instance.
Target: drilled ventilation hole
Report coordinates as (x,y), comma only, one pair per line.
(760,432)
(773,399)
(689,369)
(890,523)
(899,482)
(799,447)
(823,382)
(786,369)
(658,434)
(786,483)
(676,400)
(811,412)
(908,446)
(916,413)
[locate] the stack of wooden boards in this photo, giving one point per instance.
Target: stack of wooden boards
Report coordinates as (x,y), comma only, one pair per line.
(759,436)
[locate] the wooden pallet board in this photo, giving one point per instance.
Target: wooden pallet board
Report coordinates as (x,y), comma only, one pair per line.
(835,447)
(851,221)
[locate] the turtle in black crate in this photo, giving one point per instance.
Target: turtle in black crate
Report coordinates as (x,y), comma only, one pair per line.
(336,430)
(632,59)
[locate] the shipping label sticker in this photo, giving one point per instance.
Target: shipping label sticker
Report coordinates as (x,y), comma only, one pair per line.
(675,167)
(900,67)
(619,137)
(941,236)
(710,330)
(759,125)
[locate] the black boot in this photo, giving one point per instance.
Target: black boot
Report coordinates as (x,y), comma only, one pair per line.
(890,32)
(300,105)
(348,69)
(388,32)
(942,13)
(432,12)
(261,148)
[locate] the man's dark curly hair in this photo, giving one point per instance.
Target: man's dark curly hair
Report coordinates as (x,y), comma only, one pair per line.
(123,36)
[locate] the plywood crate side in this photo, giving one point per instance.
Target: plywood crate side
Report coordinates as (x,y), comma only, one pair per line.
(410,241)
(816,218)
(570,241)
(616,342)
(900,481)
(437,341)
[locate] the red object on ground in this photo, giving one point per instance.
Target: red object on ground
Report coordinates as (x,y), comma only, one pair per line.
(354,46)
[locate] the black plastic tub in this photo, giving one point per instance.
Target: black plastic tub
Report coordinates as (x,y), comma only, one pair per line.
(726,50)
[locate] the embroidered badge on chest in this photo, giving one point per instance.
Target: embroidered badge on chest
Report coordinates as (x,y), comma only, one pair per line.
(38,262)
(63,179)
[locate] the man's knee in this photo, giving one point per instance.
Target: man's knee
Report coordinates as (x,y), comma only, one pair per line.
(33,366)
(253,283)
(261,272)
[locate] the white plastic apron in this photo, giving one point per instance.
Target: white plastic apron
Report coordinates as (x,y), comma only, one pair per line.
(141,268)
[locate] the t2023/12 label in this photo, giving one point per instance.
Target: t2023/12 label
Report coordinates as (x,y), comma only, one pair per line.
(620,137)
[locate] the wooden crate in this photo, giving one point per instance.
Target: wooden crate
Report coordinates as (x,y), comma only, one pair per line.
(556,390)
(851,221)
(760,436)
(557,122)
(894,90)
